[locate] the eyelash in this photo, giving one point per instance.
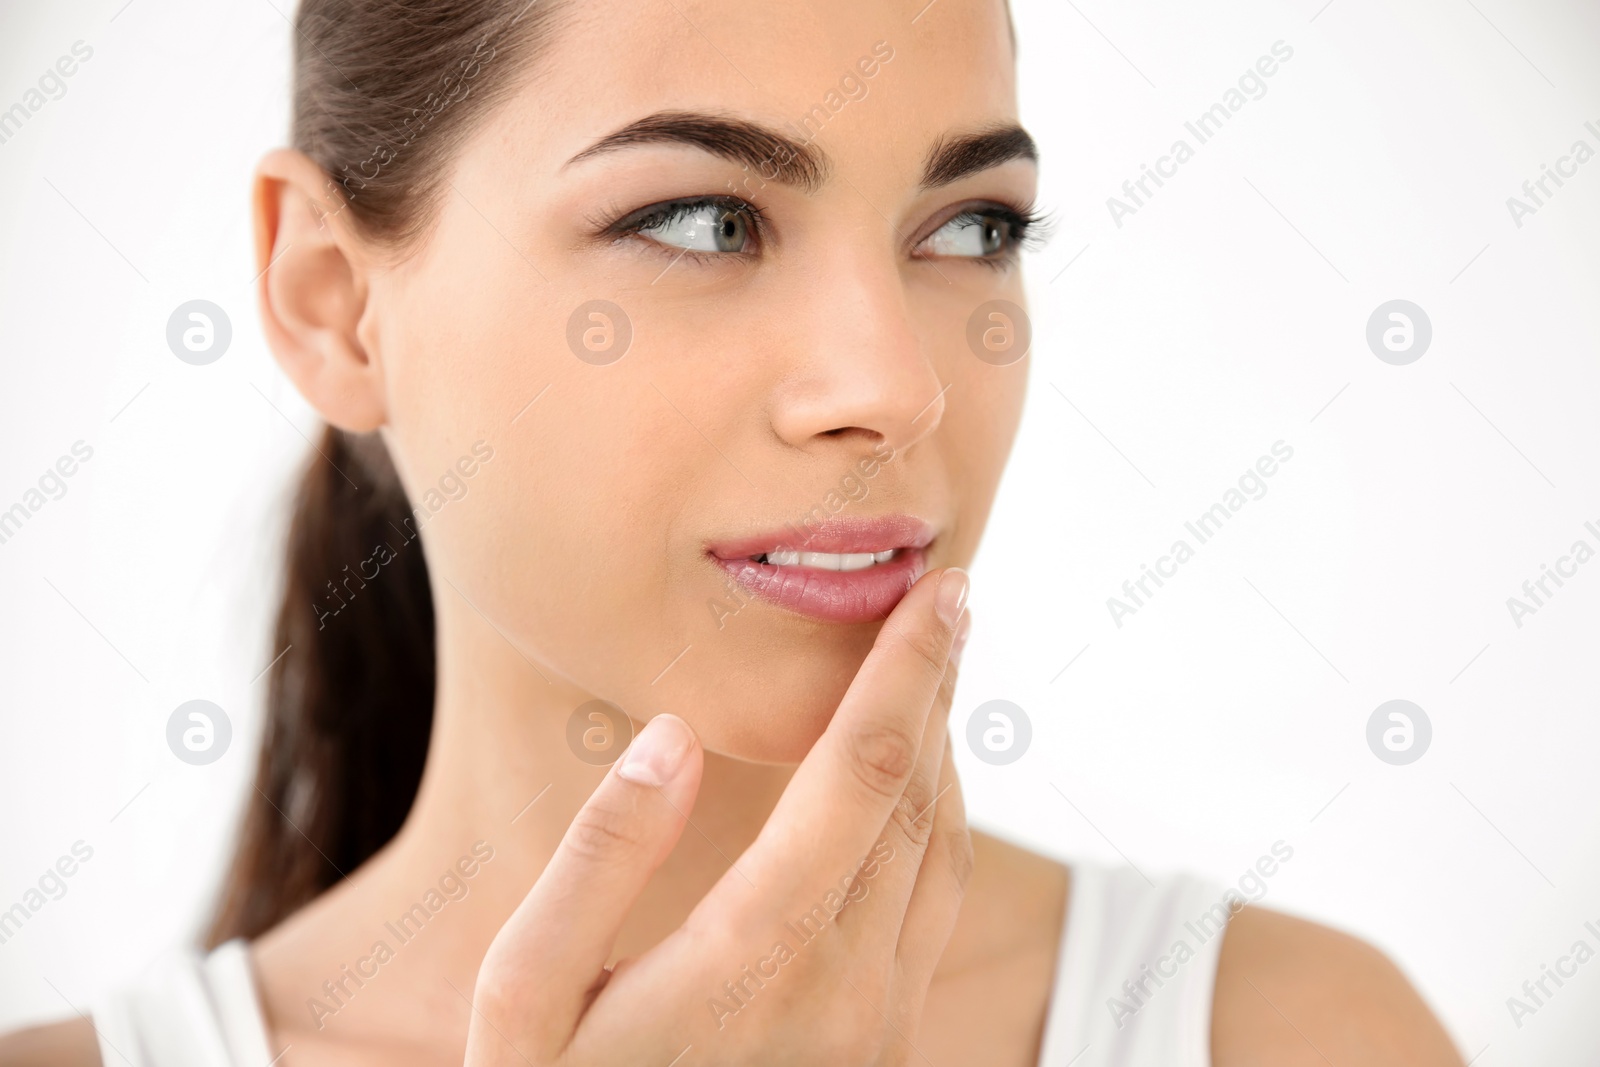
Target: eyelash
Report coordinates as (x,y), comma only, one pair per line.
(633,224)
(1029,228)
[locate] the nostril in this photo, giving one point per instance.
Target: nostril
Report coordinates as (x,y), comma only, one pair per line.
(842,431)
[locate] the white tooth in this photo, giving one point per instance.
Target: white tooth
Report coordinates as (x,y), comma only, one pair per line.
(828,561)
(835,561)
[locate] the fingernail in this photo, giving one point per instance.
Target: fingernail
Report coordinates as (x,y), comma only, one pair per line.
(952,595)
(657,754)
(959,643)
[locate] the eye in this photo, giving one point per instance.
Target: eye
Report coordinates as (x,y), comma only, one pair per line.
(708,225)
(980,233)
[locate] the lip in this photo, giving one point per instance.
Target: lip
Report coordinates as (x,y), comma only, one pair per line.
(832,596)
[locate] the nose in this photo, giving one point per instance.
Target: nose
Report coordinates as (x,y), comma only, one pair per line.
(860,368)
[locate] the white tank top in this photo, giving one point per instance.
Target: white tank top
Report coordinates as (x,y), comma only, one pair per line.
(1133,982)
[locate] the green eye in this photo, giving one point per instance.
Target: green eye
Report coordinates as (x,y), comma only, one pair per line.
(977,235)
(708,226)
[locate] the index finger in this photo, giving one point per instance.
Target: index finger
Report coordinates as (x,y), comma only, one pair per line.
(844,791)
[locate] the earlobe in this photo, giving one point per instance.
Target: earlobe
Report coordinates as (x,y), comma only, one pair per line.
(313,290)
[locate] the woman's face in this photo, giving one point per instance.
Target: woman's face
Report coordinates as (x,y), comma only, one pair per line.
(703,286)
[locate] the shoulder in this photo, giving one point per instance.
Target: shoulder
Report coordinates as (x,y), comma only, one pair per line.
(991,989)
(65,1044)
(1292,992)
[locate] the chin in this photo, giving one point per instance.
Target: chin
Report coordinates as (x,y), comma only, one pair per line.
(771,706)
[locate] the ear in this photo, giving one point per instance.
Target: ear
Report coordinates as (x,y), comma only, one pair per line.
(313,290)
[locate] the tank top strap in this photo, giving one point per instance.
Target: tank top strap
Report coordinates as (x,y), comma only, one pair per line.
(1135,971)
(190,1010)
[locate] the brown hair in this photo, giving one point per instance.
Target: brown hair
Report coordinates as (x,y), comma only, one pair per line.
(385,91)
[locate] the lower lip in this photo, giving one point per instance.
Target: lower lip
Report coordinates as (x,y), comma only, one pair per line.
(866,595)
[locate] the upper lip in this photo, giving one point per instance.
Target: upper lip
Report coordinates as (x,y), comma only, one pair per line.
(839,534)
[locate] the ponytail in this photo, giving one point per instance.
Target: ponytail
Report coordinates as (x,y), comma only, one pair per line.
(350,703)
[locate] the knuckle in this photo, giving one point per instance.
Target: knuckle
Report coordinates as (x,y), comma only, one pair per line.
(882,758)
(496,996)
(601,834)
(962,858)
(930,647)
(503,991)
(947,689)
(911,815)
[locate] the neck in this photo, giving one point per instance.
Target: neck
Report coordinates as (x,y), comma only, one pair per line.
(500,771)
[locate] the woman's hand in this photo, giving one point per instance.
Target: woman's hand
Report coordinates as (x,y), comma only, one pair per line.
(816,948)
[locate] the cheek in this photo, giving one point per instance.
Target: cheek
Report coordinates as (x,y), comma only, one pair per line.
(988,426)
(977,433)
(560,538)
(556,537)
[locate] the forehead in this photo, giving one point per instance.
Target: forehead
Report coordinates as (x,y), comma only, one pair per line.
(877,80)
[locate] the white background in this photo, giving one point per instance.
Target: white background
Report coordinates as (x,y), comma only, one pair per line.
(1172,352)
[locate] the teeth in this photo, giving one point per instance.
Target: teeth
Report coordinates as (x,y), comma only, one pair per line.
(828,561)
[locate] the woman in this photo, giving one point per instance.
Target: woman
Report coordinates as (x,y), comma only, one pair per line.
(659,349)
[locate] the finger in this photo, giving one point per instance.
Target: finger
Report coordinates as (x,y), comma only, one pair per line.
(892,866)
(840,797)
(544,964)
(940,885)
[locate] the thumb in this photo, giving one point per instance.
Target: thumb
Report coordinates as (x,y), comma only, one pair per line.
(545,962)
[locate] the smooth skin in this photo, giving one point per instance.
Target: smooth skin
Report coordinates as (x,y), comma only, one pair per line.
(574,565)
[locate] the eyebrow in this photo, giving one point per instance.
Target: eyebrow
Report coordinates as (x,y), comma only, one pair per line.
(952,159)
(777,157)
(774,156)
